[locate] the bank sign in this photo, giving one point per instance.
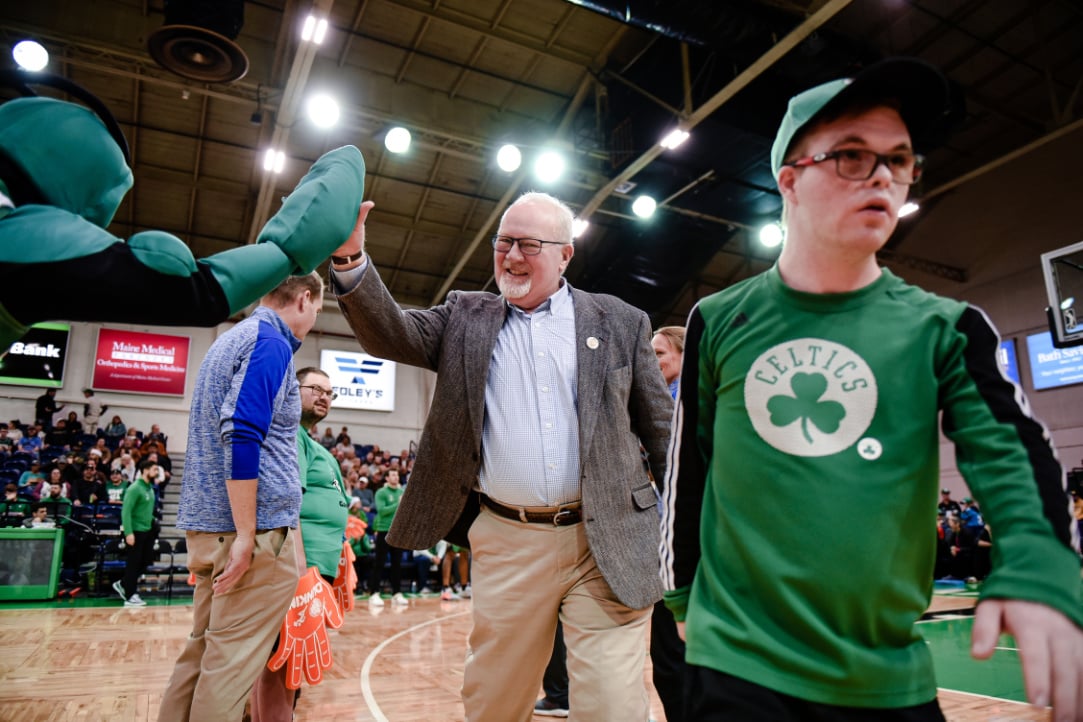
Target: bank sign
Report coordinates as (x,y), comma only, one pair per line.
(361,381)
(38,358)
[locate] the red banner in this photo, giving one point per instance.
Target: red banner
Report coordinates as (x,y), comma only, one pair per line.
(140,363)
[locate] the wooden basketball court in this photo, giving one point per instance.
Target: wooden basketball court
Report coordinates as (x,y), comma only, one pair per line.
(398,664)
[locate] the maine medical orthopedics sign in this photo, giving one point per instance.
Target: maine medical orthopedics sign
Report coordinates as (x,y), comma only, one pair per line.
(361,381)
(141,363)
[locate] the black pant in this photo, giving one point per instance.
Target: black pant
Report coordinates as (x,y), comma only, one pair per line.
(555,679)
(713,696)
(383,549)
(139,557)
(667,660)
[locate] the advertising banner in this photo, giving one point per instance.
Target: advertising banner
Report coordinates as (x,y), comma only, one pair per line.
(1051,367)
(38,358)
(1006,357)
(141,363)
(361,381)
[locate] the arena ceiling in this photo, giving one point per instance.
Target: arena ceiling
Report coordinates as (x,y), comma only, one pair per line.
(601,79)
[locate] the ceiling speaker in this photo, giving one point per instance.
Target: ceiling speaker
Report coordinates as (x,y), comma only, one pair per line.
(196,40)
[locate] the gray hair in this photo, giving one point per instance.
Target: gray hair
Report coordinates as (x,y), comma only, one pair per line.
(562,218)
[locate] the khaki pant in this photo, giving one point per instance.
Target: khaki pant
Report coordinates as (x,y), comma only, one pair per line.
(524,577)
(232,633)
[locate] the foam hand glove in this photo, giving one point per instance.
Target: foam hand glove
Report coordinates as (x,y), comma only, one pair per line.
(355,527)
(303,644)
(346,581)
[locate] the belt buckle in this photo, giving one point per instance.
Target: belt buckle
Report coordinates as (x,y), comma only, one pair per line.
(563,517)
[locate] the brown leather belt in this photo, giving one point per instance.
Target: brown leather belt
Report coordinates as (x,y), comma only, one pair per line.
(562,515)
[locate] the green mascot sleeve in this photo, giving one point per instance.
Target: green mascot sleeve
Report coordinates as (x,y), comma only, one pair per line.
(315,219)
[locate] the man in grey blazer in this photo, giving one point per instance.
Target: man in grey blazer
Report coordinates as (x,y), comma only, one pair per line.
(531,456)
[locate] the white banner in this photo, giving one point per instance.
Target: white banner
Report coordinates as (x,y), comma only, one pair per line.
(361,381)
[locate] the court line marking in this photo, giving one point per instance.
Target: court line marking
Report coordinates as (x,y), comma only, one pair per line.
(366,668)
(984,696)
(948,617)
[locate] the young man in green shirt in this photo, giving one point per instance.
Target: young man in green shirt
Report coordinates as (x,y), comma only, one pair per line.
(140,529)
(387,503)
(822,379)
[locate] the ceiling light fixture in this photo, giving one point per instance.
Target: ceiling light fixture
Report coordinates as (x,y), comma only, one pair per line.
(579,227)
(549,167)
(771,235)
(30,55)
(323,110)
(509,158)
(397,140)
(314,30)
(274,160)
(644,206)
(908,208)
(674,138)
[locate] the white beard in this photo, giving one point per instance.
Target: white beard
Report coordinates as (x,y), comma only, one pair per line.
(512,288)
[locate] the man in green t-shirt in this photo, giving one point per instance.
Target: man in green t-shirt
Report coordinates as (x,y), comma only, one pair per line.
(822,379)
(387,503)
(140,530)
(324,508)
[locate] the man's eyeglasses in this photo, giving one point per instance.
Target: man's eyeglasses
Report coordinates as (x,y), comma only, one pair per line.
(527,246)
(321,391)
(859,164)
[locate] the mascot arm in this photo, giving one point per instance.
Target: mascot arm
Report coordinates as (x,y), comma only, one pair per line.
(69,269)
(321,212)
(55,265)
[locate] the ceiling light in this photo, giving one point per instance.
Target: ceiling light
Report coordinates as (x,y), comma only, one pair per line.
(30,55)
(314,29)
(323,110)
(274,160)
(908,208)
(674,138)
(644,206)
(549,167)
(1067,303)
(509,158)
(579,227)
(397,140)
(771,235)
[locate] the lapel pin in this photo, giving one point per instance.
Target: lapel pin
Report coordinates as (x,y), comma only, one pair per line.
(592,343)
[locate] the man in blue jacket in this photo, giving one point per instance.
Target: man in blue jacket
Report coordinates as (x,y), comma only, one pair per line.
(240,503)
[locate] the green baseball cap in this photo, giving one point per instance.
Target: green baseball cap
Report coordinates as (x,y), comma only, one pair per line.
(928,103)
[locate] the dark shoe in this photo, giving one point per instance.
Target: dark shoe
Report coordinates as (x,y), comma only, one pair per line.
(544,708)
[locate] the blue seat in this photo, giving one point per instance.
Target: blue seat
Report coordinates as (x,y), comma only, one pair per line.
(107,518)
(52,454)
(23,456)
(84,514)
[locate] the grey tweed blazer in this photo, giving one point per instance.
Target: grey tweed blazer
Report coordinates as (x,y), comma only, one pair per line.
(623,401)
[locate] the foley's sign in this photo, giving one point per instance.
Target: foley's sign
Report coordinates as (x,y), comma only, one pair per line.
(361,381)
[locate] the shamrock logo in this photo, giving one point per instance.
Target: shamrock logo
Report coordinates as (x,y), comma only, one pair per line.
(805,405)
